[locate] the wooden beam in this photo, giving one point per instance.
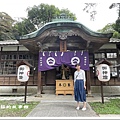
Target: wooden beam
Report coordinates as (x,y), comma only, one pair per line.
(63,46)
(88,44)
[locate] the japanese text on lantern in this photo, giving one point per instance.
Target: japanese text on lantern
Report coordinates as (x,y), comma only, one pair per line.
(21,72)
(104,72)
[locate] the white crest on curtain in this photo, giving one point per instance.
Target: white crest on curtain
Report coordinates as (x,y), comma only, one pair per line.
(62,53)
(43,53)
(75,53)
(49,53)
(82,52)
(55,53)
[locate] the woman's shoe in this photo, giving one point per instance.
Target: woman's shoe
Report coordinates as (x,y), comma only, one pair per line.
(77,108)
(83,109)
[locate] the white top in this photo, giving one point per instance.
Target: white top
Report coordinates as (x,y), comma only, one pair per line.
(79,75)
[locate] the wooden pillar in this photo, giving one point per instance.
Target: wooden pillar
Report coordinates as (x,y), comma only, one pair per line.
(88,84)
(63,48)
(88,81)
(39,84)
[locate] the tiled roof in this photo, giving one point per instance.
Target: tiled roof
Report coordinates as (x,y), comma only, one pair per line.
(9,42)
(114,40)
(63,23)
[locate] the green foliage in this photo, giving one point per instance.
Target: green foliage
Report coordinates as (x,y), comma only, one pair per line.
(19,110)
(43,13)
(117,25)
(37,17)
(6,26)
(68,13)
(112,107)
(116,35)
(24,27)
(110,28)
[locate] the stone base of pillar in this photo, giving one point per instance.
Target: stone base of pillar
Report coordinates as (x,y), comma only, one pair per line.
(89,94)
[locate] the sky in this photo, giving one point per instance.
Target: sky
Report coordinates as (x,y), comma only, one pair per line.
(17,9)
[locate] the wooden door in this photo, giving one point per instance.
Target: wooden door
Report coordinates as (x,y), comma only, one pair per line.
(50,77)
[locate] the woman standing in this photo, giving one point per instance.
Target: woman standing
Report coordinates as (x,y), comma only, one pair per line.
(79,87)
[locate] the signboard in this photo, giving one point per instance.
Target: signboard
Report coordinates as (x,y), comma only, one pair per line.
(23,73)
(51,59)
(103,72)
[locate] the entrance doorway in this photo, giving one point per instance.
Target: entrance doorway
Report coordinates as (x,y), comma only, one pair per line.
(50,76)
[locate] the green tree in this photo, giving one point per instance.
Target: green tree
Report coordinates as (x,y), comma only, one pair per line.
(23,27)
(6,26)
(117,23)
(110,28)
(68,13)
(43,13)
(37,17)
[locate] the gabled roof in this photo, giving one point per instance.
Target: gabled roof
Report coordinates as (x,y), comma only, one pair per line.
(77,35)
(24,62)
(63,23)
(103,61)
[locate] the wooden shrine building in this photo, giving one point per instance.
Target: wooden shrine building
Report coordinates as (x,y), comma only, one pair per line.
(62,35)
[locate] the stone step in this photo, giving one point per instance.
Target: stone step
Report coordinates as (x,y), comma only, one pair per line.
(48,92)
(14,94)
(49,87)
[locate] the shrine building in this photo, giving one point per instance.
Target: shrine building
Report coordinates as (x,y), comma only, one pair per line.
(53,50)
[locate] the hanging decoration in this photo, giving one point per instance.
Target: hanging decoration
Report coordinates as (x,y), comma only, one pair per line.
(51,59)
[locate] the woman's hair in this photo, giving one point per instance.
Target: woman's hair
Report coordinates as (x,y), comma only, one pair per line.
(77,65)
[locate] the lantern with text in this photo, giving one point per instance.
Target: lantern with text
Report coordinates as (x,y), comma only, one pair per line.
(103,72)
(23,73)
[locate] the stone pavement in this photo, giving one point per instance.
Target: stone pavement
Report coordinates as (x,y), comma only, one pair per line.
(52,105)
(60,109)
(60,106)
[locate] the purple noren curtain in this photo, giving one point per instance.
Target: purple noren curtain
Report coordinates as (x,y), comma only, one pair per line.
(51,59)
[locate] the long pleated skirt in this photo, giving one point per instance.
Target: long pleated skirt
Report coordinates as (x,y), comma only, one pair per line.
(79,91)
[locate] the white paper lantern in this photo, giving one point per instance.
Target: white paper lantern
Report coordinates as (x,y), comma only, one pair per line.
(103,72)
(23,73)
